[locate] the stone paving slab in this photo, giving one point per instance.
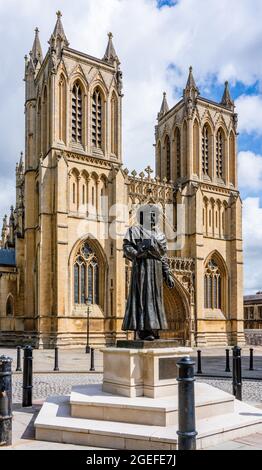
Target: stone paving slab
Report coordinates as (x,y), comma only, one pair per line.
(76,360)
(23,434)
(70,360)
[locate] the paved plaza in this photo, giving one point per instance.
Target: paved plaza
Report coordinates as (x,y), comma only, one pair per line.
(74,370)
(76,360)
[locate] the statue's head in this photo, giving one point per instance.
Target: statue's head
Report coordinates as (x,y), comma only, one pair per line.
(148,216)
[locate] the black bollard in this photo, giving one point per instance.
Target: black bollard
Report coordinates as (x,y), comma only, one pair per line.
(5,401)
(18,359)
(56,367)
(251,359)
(199,365)
(227,369)
(186,405)
(237,375)
(92,360)
(27,376)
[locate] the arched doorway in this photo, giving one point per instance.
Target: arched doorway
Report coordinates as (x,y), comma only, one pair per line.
(176,310)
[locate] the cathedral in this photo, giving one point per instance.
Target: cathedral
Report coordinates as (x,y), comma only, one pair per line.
(62,270)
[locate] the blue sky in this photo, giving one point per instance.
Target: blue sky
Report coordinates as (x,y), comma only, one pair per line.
(156,41)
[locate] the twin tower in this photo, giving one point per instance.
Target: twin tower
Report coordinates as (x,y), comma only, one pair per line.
(59,260)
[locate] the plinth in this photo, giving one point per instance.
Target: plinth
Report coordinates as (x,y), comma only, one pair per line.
(144,368)
(142,344)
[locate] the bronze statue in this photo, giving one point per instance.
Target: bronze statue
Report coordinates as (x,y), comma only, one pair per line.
(145,245)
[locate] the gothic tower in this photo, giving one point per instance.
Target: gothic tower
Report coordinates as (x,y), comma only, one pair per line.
(196,148)
(72,157)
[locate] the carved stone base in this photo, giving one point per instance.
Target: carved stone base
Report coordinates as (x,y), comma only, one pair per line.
(141,372)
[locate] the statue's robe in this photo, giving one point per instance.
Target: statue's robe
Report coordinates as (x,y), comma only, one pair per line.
(145,306)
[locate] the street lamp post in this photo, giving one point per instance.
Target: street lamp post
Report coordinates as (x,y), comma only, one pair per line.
(87,327)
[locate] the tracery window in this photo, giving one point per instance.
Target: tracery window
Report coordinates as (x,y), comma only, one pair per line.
(205,149)
(168,159)
(97,119)
(178,152)
(77,116)
(114,125)
(86,276)
(220,141)
(212,286)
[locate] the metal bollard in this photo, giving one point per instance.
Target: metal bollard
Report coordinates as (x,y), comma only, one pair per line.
(186,405)
(5,401)
(251,359)
(227,369)
(27,376)
(18,359)
(199,364)
(56,367)
(237,375)
(92,360)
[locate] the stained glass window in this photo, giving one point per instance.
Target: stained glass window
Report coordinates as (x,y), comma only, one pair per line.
(86,276)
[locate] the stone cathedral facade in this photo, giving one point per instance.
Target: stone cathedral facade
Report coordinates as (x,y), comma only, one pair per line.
(58,258)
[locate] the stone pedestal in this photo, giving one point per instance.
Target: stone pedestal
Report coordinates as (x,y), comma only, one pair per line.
(136,406)
(141,372)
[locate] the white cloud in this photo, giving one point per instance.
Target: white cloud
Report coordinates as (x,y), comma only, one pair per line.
(252,233)
(249,108)
(250,171)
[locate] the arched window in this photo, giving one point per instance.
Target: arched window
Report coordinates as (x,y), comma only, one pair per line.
(178,152)
(232,159)
(97,119)
(44,126)
(10,306)
(86,276)
(205,149)
(62,109)
(114,125)
(184,171)
(220,146)
(39,128)
(212,286)
(168,158)
(158,161)
(196,148)
(77,116)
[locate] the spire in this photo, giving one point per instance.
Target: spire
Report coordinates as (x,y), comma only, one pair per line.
(190,94)
(110,54)
(191,81)
(226,98)
(164,107)
(20,166)
(191,84)
(4,232)
(59,33)
(37,55)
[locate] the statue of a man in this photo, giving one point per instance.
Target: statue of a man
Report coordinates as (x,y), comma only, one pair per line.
(145,245)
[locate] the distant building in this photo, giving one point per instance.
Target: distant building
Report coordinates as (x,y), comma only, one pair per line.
(253,311)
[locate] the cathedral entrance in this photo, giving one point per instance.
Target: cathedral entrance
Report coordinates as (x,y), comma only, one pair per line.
(176,314)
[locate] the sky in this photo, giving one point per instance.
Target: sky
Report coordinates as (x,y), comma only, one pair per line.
(156,41)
